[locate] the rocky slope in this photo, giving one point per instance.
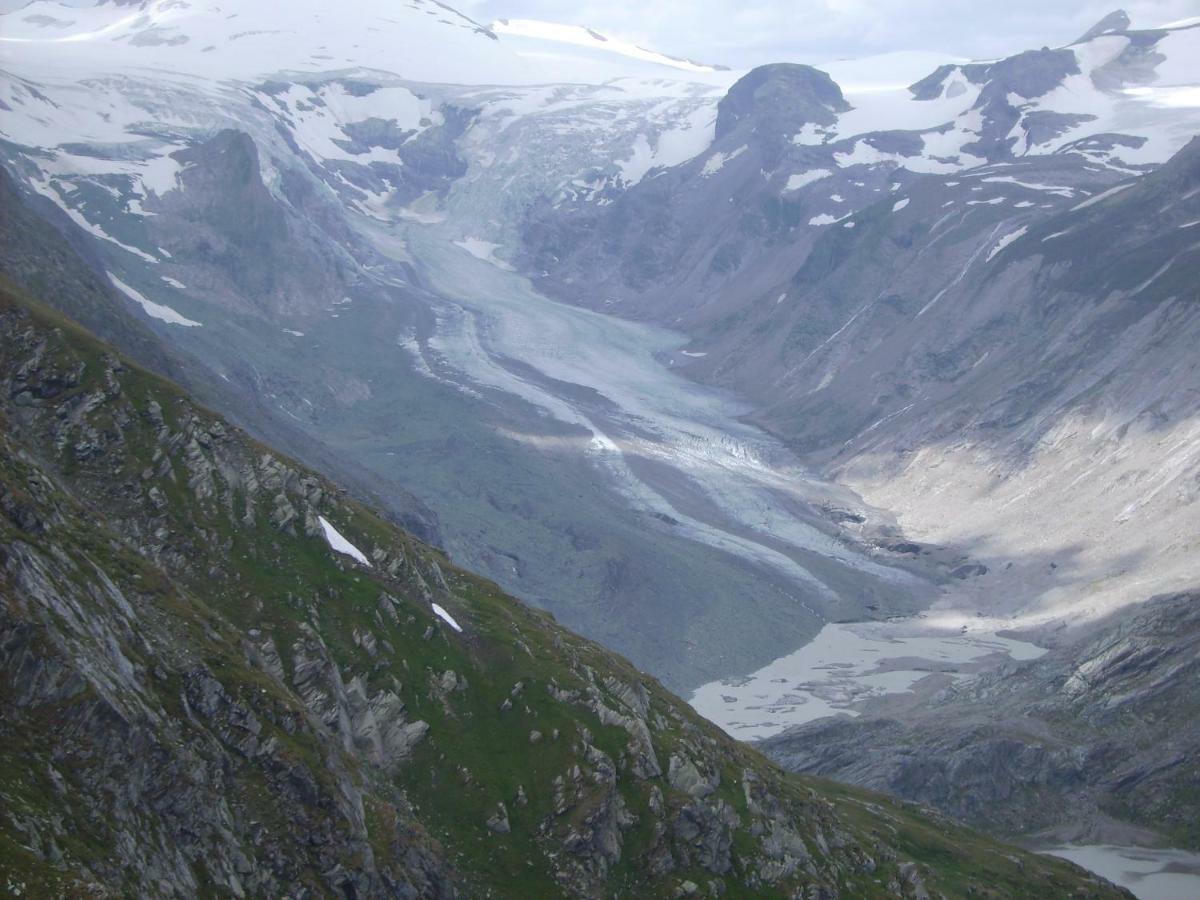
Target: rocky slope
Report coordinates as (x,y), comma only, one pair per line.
(210,689)
(1038,383)
(275,217)
(908,285)
(284,238)
(994,340)
(951,345)
(1076,746)
(1036,407)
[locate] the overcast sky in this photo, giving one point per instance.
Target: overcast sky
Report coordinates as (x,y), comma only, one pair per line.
(743,33)
(748,32)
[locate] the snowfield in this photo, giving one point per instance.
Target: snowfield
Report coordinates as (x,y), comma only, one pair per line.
(339,544)
(149,307)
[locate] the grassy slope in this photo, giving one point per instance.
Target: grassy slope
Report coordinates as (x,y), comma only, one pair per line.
(218,579)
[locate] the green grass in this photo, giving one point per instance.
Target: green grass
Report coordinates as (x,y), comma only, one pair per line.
(226,577)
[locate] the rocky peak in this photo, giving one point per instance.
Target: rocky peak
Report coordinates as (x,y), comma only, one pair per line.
(256,252)
(224,165)
(1117,20)
(780,98)
(1184,166)
(1030,74)
(1027,75)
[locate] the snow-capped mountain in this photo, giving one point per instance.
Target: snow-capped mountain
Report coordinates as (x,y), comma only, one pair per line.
(808,156)
(346,219)
(245,167)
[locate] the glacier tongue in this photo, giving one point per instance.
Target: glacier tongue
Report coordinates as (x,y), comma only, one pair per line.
(440,141)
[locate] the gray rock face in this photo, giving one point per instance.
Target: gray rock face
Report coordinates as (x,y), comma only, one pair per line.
(677,247)
(1028,75)
(1117,20)
(672,250)
(776,101)
(235,237)
(1093,735)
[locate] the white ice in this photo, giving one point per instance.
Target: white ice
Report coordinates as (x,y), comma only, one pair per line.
(485,250)
(841,666)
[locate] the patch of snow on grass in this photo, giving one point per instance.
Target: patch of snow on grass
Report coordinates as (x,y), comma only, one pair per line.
(900,204)
(446,617)
(339,544)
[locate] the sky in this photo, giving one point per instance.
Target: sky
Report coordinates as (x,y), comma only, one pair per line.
(743,33)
